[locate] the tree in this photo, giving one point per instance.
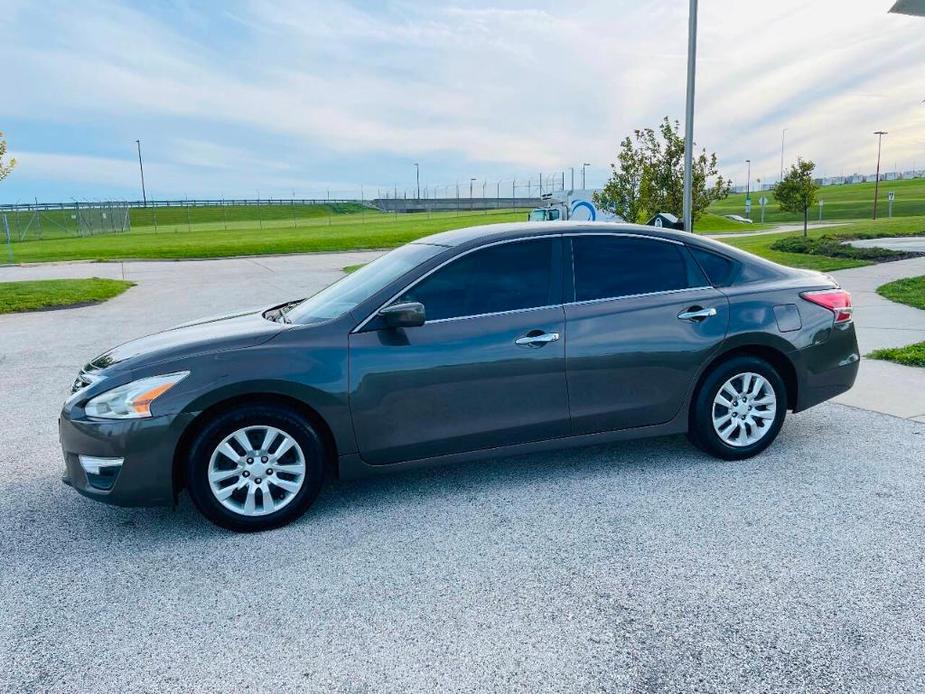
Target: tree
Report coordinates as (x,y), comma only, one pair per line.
(5,169)
(797,191)
(649,176)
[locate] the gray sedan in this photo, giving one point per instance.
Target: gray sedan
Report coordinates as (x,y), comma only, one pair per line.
(478,342)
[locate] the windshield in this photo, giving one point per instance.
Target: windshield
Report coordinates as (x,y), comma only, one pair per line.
(349,292)
(538,216)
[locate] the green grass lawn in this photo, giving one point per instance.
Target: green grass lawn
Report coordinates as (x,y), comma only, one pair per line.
(44,294)
(910,355)
(910,290)
(210,240)
(852,201)
(761,245)
(711,223)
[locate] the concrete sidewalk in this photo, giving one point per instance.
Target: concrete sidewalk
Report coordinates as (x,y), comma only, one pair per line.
(883,386)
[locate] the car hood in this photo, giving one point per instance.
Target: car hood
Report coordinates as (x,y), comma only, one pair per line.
(215,334)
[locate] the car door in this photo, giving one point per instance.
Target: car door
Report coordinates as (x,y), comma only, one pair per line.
(642,321)
(486,369)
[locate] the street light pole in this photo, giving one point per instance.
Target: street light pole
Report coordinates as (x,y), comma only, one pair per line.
(583,167)
(573,177)
(748,189)
(782,134)
(144,195)
(689,116)
(879,134)
(417,178)
(471,181)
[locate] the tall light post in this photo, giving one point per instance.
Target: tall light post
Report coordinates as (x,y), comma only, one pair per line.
(586,165)
(879,134)
(417,178)
(748,190)
(783,133)
(144,195)
(573,177)
(471,181)
(689,116)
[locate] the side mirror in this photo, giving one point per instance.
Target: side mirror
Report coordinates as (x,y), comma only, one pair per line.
(405,315)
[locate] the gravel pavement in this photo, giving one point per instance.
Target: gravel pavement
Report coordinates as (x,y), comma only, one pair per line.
(644,566)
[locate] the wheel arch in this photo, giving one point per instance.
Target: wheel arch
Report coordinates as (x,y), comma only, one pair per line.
(775,355)
(231,401)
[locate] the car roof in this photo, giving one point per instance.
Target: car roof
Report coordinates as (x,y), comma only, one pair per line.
(498,232)
(490,233)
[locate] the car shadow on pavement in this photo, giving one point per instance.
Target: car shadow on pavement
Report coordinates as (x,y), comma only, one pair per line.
(448,486)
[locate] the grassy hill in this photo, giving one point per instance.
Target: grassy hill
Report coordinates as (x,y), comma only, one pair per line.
(850,201)
(211,240)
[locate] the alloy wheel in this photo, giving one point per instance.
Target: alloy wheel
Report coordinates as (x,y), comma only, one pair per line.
(744,409)
(256,470)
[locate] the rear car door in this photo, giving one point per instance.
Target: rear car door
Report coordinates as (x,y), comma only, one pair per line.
(642,321)
(486,369)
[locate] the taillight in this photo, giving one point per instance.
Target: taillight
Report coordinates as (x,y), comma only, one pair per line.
(838,301)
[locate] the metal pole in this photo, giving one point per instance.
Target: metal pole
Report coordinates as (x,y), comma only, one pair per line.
(9,245)
(748,187)
(573,177)
(583,182)
(417,178)
(689,115)
(141,168)
(879,134)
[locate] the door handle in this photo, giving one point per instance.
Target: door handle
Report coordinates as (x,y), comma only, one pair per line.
(539,340)
(697,314)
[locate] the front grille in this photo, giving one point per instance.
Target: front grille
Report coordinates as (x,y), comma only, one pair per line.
(85,378)
(80,382)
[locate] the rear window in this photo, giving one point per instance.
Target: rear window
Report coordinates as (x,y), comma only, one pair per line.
(608,267)
(719,269)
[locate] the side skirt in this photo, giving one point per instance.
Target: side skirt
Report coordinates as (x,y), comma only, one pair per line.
(353,467)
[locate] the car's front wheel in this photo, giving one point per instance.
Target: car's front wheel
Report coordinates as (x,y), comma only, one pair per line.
(255,468)
(738,409)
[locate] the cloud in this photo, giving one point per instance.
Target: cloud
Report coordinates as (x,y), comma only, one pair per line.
(311,93)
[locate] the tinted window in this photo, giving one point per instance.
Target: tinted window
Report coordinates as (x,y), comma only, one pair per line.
(505,277)
(719,269)
(352,290)
(612,266)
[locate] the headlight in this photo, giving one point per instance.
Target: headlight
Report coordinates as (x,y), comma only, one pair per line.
(133,400)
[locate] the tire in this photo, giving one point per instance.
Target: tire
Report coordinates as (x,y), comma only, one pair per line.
(752,422)
(249,489)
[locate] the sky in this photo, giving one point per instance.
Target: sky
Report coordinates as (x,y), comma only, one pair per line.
(308,99)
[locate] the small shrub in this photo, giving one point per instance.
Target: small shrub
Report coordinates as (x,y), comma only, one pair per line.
(834,247)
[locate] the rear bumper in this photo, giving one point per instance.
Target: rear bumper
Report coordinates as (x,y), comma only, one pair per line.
(829,368)
(146,447)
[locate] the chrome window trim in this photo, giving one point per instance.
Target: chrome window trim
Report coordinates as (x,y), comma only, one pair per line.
(636,296)
(446,262)
(494,313)
(573,235)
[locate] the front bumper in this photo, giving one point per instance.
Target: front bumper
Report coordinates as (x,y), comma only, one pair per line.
(147,446)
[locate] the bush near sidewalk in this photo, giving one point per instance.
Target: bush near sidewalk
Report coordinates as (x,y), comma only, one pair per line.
(834,247)
(764,244)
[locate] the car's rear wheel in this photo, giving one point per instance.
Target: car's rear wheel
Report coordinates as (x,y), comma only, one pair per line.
(255,467)
(739,408)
